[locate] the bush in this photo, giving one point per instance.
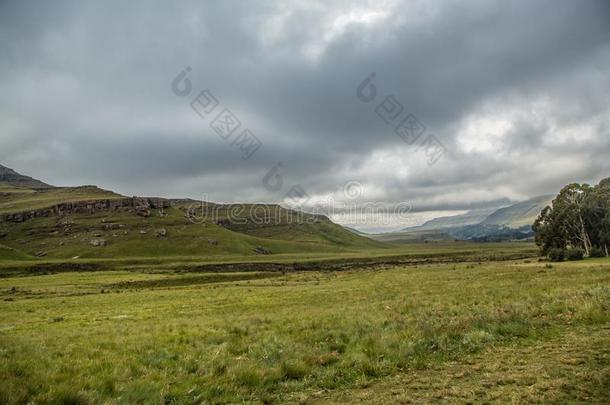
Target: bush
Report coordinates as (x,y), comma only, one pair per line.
(575,254)
(597,252)
(557,254)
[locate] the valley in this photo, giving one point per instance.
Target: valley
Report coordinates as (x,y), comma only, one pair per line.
(121,300)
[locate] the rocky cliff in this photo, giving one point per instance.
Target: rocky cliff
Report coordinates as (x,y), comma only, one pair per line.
(138,205)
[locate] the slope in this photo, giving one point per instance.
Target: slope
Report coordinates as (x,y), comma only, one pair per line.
(12,178)
(520,214)
(173,229)
(469,218)
(14,199)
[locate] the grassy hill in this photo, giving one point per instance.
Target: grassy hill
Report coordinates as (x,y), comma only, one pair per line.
(14,199)
(226,230)
(8,253)
(127,235)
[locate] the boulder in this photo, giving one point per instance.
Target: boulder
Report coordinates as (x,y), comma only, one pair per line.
(161,233)
(110,227)
(142,212)
(98,242)
(261,250)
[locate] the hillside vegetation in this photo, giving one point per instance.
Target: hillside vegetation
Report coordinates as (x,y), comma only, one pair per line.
(172,234)
(14,199)
(181,229)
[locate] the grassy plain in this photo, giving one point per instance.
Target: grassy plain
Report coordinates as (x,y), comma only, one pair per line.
(397,327)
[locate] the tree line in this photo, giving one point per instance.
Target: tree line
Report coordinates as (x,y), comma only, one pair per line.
(577,221)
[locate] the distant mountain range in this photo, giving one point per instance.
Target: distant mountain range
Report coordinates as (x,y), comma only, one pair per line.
(514,216)
(470,218)
(493,224)
(520,214)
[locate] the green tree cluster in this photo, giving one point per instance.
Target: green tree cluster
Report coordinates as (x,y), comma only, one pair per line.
(578,218)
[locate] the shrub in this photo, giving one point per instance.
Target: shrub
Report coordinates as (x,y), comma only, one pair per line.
(557,254)
(597,252)
(575,253)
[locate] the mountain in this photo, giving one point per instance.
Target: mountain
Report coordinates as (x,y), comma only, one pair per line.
(470,218)
(12,178)
(89,222)
(520,214)
(512,222)
(414,236)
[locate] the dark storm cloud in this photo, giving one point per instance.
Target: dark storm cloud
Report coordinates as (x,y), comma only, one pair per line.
(516,91)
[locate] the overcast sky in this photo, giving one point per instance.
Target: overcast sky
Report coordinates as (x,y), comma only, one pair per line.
(515,94)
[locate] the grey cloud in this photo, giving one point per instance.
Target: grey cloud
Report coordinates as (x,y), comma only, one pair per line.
(87,95)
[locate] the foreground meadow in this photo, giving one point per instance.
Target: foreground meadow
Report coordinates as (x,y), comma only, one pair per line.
(520,331)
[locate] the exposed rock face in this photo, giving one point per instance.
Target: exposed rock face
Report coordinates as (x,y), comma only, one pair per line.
(134,204)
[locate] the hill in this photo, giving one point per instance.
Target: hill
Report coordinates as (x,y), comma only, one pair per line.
(9,177)
(89,222)
(16,200)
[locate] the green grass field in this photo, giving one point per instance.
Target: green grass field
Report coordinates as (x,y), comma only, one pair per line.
(415,323)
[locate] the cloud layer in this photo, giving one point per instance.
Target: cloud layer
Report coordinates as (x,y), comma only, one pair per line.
(516,92)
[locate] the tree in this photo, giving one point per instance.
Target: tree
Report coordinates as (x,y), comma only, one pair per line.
(548,232)
(578,218)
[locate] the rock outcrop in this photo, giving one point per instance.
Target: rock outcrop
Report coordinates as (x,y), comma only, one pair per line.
(133,204)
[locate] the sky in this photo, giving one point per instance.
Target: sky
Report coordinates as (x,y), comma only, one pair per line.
(417,109)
